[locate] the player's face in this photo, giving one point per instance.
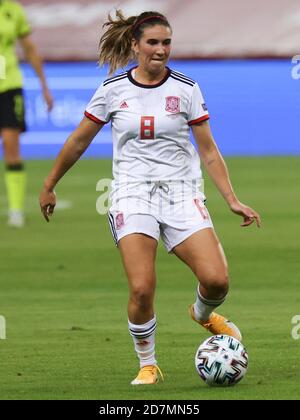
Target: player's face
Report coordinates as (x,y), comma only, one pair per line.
(153,49)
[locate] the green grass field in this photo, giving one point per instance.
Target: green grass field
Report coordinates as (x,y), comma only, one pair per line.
(64,294)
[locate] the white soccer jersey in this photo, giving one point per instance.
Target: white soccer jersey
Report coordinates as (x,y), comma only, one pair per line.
(150,126)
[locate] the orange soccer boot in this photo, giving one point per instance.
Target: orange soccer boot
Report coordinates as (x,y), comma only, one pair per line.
(148,375)
(218,325)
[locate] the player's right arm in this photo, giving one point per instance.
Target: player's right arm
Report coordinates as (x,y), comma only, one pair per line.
(74,147)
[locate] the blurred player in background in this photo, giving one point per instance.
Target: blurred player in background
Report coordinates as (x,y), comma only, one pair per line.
(157,177)
(13,27)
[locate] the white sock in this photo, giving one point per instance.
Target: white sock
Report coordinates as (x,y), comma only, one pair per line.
(203,307)
(144,341)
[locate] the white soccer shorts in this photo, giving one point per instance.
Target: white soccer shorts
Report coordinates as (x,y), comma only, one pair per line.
(171,210)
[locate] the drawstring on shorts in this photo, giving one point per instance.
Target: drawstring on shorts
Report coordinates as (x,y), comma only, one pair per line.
(159,184)
(163,186)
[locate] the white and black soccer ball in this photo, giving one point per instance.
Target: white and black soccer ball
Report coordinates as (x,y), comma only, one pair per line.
(221,361)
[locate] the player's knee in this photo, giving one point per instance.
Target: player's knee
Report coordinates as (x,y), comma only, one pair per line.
(219,286)
(142,296)
(217,283)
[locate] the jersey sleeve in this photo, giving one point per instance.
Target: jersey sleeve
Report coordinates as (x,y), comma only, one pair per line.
(23,25)
(98,108)
(198,110)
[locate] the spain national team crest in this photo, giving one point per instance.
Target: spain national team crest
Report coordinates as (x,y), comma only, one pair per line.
(119,221)
(172,104)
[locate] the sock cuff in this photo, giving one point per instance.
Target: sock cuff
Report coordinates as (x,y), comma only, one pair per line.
(142,330)
(210,302)
(17,167)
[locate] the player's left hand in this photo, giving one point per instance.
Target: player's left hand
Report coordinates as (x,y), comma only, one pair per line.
(48,99)
(247,213)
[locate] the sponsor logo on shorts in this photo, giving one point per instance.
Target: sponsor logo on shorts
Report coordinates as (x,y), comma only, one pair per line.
(119,221)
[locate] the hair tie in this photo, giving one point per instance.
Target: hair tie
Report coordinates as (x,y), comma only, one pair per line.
(137,24)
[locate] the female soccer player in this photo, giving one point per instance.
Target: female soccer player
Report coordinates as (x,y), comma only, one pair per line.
(14,26)
(157,176)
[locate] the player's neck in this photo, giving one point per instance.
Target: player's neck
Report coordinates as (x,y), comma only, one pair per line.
(146,78)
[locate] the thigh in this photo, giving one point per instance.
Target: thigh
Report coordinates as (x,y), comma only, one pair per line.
(138,252)
(203,253)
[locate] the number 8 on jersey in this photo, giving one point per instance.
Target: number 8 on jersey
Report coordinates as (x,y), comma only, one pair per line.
(147,128)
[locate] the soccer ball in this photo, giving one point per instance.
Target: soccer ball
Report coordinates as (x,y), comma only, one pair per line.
(221,361)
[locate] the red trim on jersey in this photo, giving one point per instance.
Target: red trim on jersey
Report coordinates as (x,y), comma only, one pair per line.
(204,118)
(93,118)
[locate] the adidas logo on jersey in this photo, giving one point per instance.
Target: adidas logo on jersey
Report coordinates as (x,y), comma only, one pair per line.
(123,105)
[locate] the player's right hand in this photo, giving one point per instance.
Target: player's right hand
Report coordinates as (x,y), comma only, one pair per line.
(47,203)
(48,99)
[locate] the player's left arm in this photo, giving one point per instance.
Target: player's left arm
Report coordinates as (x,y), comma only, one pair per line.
(32,56)
(217,170)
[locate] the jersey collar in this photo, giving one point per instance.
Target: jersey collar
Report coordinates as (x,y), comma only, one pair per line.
(129,74)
